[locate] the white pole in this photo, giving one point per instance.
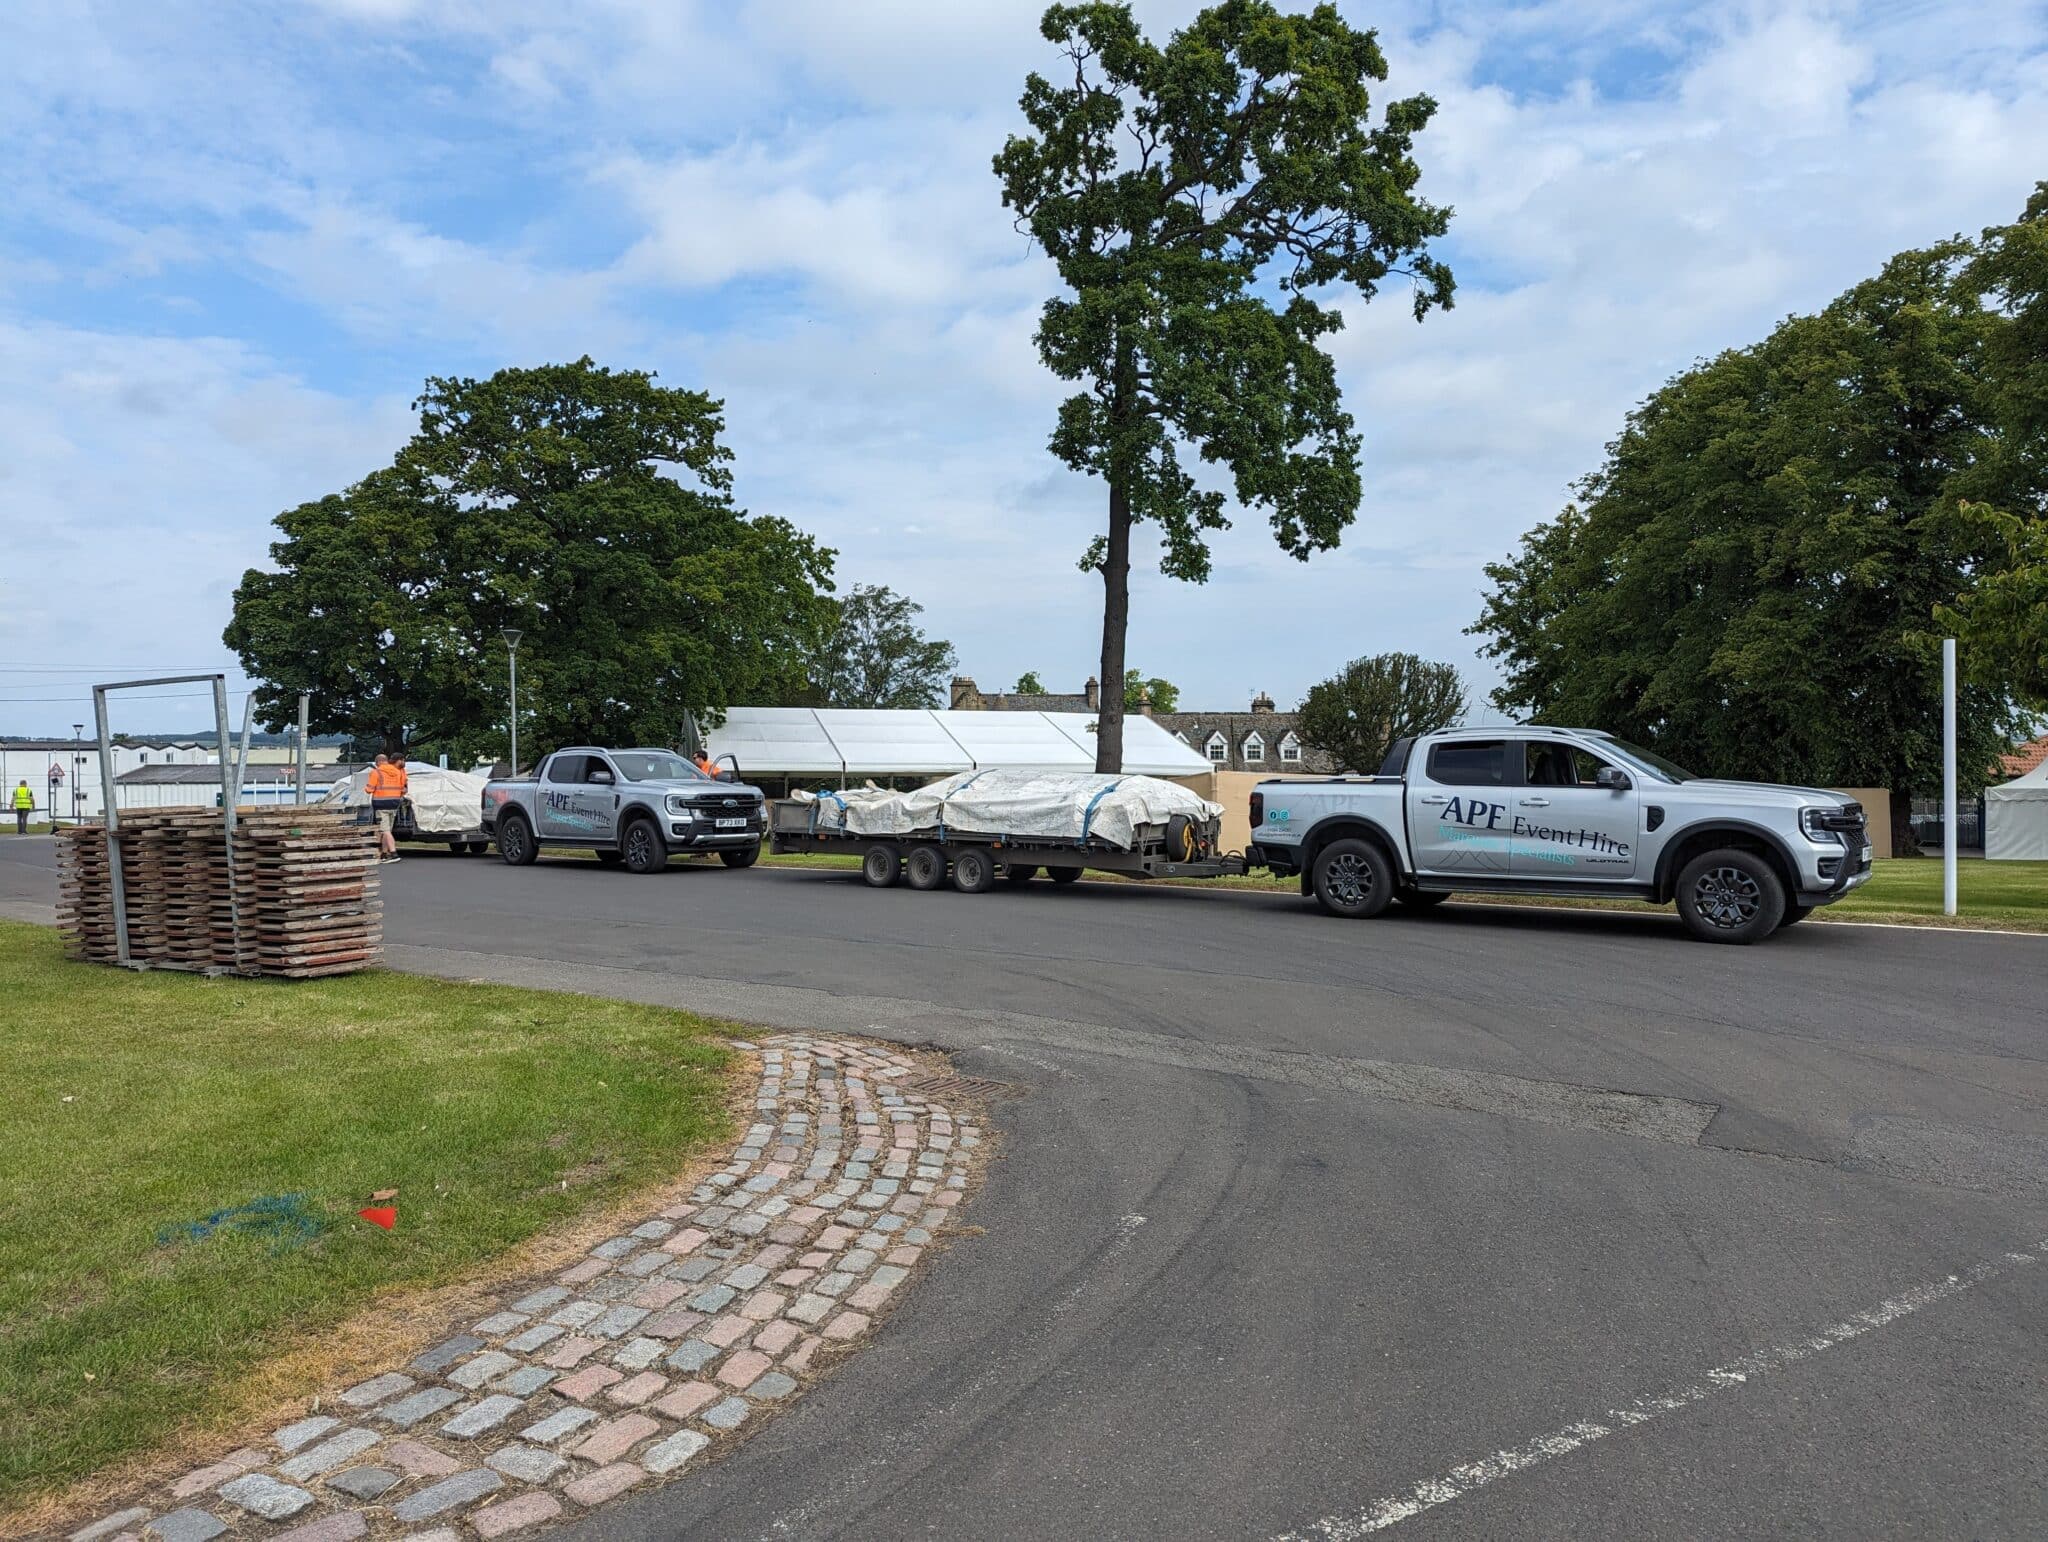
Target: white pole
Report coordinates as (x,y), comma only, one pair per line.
(1948,776)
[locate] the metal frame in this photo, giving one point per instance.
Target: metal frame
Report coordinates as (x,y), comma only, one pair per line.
(229,794)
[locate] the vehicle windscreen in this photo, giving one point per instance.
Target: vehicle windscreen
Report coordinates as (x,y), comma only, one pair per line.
(1647,760)
(654,766)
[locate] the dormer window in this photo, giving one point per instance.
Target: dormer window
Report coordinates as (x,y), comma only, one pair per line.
(1254,749)
(1218,748)
(1290,750)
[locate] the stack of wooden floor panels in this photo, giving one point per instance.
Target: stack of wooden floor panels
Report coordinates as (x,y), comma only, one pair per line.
(299,899)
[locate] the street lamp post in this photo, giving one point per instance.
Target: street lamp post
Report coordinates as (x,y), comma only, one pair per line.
(512,634)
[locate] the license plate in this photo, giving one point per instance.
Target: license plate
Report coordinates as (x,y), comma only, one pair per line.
(732,824)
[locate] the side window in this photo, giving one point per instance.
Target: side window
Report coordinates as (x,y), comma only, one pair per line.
(567,768)
(1551,764)
(1470,763)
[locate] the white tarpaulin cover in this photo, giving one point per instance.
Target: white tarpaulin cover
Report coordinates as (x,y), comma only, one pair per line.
(2016,818)
(443,802)
(1039,805)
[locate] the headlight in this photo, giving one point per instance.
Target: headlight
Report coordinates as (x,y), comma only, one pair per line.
(674,804)
(1812,827)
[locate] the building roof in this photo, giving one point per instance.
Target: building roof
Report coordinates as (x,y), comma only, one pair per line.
(2025,757)
(208,775)
(836,742)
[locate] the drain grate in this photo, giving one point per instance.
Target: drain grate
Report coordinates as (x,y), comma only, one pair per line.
(945,1084)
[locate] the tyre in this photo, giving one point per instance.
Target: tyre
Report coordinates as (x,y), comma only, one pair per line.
(1064,874)
(515,841)
(925,868)
(974,871)
(1794,914)
(744,856)
(1421,899)
(611,859)
(1730,896)
(882,867)
(1353,879)
(1017,873)
(643,847)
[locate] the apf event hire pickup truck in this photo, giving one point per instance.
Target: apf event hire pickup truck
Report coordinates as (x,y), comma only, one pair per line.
(635,807)
(1563,811)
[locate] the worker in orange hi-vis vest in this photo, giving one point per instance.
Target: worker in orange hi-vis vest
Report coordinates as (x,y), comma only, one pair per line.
(386,787)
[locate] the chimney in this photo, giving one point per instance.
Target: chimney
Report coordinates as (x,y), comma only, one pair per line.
(1144,702)
(1262,703)
(964,697)
(1093,691)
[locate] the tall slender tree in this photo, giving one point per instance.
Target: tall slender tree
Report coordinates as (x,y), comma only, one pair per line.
(1193,196)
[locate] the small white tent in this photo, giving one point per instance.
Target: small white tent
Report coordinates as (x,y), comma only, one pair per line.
(2016,818)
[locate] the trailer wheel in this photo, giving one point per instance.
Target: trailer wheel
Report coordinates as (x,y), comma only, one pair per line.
(1017,873)
(515,841)
(1353,879)
(974,871)
(1421,899)
(611,858)
(881,867)
(1064,874)
(924,868)
(741,856)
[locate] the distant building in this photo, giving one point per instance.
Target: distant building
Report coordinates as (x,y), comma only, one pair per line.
(1261,739)
(2025,757)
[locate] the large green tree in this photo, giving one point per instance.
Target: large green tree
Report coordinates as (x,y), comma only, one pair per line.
(587,507)
(1193,196)
(1159,694)
(1749,581)
(871,653)
(1362,709)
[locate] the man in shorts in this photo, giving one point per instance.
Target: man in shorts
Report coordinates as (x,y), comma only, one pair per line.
(387,791)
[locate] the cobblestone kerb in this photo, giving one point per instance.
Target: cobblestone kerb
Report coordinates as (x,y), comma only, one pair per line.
(633,1366)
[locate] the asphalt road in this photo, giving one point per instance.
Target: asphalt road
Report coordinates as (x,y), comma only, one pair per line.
(1300,1221)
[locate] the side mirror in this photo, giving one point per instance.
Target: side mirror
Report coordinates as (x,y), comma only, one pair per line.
(601,777)
(1613,778)
(728,776)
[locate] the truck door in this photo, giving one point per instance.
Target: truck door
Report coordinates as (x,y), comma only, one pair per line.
(1567,826)
(1458,808)
(561,788)
(597,801)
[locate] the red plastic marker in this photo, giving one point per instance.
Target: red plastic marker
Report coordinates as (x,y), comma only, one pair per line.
(385,1216)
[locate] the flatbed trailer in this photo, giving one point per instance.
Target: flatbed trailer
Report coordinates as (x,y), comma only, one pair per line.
(926,859)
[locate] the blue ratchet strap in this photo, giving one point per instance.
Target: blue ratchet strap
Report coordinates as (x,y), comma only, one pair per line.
(1088,818)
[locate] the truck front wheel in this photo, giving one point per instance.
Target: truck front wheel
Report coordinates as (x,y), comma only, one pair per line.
(1353,879)
(515,841)
(643,847)
(1730,895)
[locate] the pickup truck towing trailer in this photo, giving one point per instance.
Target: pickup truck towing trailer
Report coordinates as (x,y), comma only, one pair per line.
(1561,811)
(924,859)
(636,808)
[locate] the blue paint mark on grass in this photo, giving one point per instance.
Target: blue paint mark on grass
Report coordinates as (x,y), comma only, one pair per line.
(284,1220)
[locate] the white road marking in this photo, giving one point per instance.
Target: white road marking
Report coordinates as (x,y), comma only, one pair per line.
(1465,1479)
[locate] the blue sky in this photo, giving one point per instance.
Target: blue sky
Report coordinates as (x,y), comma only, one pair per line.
(238,237)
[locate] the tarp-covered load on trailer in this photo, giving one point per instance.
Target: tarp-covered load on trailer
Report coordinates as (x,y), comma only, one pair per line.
(1082,808)
(444,803)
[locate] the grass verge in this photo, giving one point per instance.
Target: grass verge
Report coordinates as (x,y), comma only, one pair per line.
(2010,896)
(186,1157)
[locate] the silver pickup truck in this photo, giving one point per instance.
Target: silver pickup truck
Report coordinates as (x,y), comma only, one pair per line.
(635,807)
(1561,811)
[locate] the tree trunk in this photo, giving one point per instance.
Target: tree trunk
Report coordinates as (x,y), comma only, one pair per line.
(1903,844)
(1116,616)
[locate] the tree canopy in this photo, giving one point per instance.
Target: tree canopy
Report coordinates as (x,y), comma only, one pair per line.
(1028,684)
(587,507)
(1193,196)
(1160,695)
(871,654)
(1751,581)
(1362,709)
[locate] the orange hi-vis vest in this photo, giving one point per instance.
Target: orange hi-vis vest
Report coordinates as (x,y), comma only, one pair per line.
(386,782)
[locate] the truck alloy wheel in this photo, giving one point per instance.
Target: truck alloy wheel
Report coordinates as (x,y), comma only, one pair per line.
(974,871)
(643,848)
(515,841)
(1352,879)
(1730,896)
(925,867)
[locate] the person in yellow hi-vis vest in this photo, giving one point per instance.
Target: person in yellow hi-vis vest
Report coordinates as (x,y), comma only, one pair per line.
(24,803)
